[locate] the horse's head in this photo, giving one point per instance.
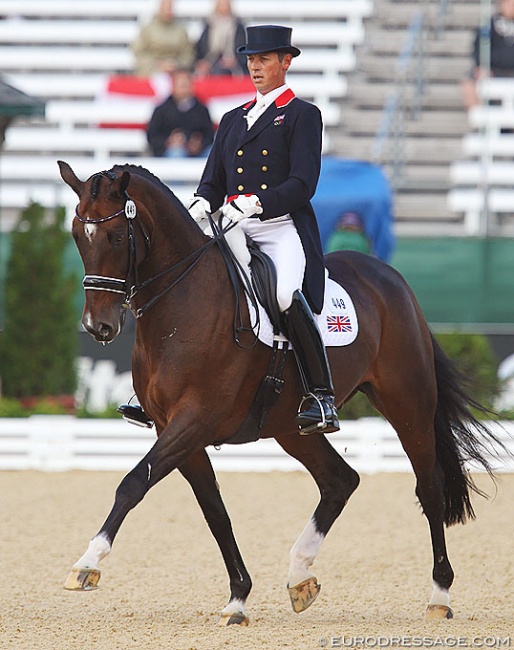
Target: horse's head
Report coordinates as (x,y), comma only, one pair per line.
(107,242)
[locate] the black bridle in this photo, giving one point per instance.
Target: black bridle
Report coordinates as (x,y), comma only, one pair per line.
(116,285)
(131,285)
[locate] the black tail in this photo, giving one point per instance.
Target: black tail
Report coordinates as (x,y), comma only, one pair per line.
(460,437)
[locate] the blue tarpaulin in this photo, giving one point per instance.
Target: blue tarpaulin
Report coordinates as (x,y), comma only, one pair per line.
(356,186)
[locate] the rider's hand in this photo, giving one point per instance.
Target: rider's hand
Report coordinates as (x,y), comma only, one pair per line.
(198,208)
(242,207)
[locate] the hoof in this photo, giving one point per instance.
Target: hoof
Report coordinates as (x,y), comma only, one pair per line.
(238,618)
(438,613)
(304,594)
(82,580)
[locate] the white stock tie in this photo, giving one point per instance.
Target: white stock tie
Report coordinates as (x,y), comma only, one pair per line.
(255,112)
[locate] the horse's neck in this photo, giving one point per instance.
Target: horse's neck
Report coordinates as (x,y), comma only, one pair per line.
(173,237)
(176,253)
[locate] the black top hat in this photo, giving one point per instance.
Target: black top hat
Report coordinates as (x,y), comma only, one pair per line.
(268,38)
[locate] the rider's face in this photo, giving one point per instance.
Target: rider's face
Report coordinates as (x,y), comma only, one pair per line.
(267,71)
(507,8)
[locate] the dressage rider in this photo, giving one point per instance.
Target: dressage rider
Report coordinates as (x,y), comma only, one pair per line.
(262,172)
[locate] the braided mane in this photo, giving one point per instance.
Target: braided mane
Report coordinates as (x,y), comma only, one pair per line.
(145,173)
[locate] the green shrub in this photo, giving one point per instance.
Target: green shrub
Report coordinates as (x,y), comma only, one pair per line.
(15,408)
(109,412)
(12,408)
(358,407)
(39,343)
(476,361)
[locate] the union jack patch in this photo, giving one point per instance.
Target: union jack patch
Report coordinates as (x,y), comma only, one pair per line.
(339,324)
(278,120)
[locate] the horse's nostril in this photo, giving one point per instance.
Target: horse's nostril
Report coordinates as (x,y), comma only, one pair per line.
(104,332)
(100,331)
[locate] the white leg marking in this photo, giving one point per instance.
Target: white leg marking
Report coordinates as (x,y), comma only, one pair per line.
(440,596)
(98,548)
(235,606)
(303,554)
(90,230)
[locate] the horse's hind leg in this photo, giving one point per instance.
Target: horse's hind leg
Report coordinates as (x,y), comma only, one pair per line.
(429,490)
(336,481)
(200,475)
(410,408)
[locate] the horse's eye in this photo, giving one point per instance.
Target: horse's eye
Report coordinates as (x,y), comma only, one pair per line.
(115,238)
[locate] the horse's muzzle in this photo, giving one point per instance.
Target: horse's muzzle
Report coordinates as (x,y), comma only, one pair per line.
(103,330)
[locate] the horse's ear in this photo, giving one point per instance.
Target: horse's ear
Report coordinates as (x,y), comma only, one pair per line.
(68,176)
(124,181)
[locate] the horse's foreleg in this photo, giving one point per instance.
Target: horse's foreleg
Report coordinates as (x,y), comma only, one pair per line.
(163,457)
(200,475)
(336,481)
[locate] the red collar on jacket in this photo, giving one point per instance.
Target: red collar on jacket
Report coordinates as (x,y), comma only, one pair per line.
(281,101)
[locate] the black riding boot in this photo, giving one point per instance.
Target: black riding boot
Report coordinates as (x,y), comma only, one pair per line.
(317,411)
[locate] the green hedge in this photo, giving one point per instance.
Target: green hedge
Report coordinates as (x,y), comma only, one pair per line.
(39,344)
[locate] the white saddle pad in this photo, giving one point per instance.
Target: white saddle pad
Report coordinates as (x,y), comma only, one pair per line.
(337,322)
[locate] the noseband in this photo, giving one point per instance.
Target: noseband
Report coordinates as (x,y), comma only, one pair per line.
(127,286)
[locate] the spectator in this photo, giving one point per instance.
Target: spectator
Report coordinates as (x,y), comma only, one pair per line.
(500,37)
(181,125)
(349,234)
(216,50)
(163,44)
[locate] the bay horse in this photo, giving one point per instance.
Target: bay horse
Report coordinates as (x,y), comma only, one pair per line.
(141,249)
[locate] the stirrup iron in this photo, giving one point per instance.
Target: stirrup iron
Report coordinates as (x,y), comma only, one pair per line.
(134,414)
(317,426)
(323,424)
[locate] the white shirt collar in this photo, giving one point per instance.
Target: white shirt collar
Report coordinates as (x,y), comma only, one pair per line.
(268,99)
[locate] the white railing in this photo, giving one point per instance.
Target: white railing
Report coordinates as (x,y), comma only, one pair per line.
(483,184)
(59,443)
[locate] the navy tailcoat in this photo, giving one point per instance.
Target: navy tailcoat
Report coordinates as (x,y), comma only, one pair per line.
(279,160)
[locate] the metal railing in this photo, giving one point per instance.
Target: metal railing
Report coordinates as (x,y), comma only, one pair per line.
(404,102)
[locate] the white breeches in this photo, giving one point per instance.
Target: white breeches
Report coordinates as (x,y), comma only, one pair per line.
(279,239)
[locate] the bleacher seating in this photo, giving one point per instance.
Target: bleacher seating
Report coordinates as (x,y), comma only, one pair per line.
(487,174)
(40,181)
(64,52)
(349,11)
